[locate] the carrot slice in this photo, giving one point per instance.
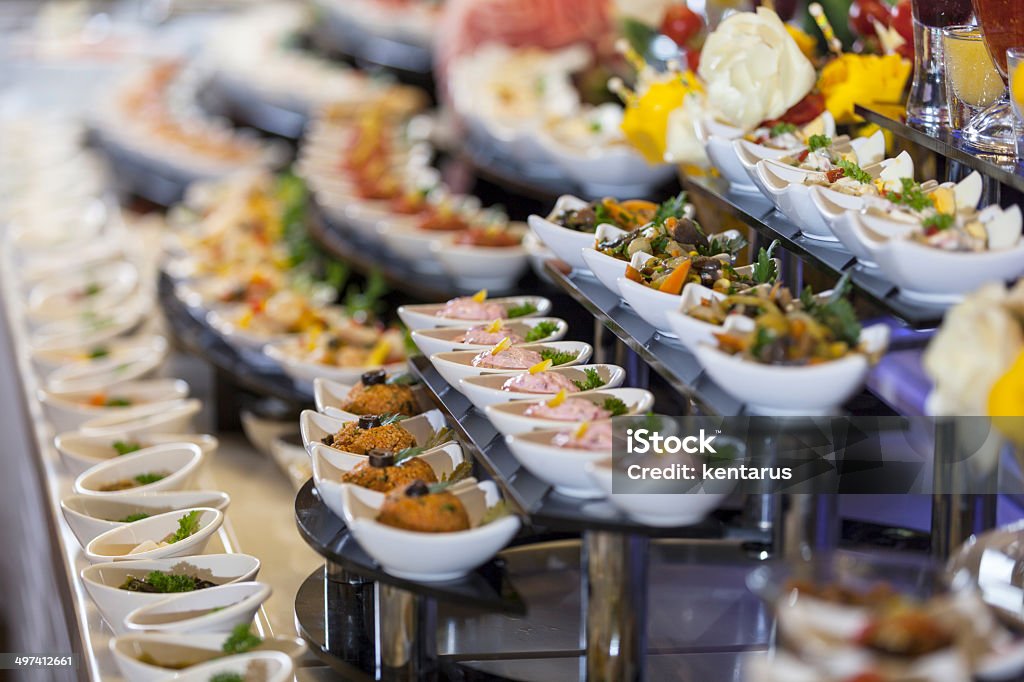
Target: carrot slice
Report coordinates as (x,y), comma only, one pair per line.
(673,284)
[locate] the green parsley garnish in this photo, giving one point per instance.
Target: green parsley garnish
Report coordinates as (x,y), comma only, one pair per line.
(782,129)
(592,381)
(541,330)
(241,640)
(187,526)
(938,222)
(166,583)
(716,245)
(836,312)
(99,352)
(117,402)
(124,447)
(92,289)
(392,418)
(910,195)
(852,170)
(146,479)
(227,677)
(521,310)
(131,518)
(461,472)
(557,357)
(766,271)
(595,126)
(615,406)
(816,142)
(671,208)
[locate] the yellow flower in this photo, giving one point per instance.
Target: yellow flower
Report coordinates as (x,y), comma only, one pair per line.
(1006,402)
(645,121)
(806,43)
(870,80)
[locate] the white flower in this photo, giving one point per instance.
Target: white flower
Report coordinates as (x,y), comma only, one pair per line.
(683,143)
(753,69)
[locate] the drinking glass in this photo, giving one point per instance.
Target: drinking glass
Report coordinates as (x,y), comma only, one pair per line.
(927,105)
(972,80)
(1002,26)
(1015,72)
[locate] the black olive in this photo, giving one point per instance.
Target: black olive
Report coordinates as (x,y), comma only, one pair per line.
(334,343)
(328,439)
(374,377)
(369,421)
(380,458)
(687,231)
(417,489)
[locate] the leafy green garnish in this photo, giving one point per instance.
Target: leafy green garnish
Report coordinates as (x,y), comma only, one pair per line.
(461,472)
(521,310)
(766,270)
(227,677)
(816,142)
(392,418)
(557,357)
(92,289)
(601,214)
(782,129)
(615,406)
(541,330)
(118,402)
(241,640)
(716,245)
(852,170)
(939,221)
(408,453)
(401,379)
(910,195)
(836,312)
(147,478)
(99,352)
(164,583)
(595,126)
(123,447)
(131,518)
(671,208)
(187,526)
(592,381)
(440,437)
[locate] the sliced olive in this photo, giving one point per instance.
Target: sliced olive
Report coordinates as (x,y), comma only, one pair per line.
(374,377)
(369,421)
(417,489)
(379,458)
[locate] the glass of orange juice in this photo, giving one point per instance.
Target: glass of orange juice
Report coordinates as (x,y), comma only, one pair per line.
(1015,74)
(972,79)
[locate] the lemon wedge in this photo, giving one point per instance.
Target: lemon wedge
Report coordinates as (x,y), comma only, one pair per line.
(494,327)
(379,353)
(541,366)
(480,296)
(581,430)
(558,399)
(504,344)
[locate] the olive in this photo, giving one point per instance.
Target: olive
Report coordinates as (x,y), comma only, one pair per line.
(374,377)
(369,421)
(380,458)
(687,231)
(417,489)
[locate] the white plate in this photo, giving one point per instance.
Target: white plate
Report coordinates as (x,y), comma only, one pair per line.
(457,365)
(431,557)
(508,417)
(424,315)
(486,389)
(442,339)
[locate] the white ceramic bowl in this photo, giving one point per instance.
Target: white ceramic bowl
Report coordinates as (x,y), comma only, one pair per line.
(424,316)
(419,248)
(272,666)
(179,461)
(562,468)
(837,210)
(178,650)
(509,418)
(69,410)
(479,267)
(650,304)
(171,418)
(604,169)
(661,509)
(431,557)
(102,581)
(804,391)
(81,451)
(46,362)
(329,465)
(62,335)
(95,375)
(605,268)
(457,365)
(442,339)
(91,515)
(313,426)
(235,604)
(486,389)
(114,544)
(933,275)
(67,295)
(283,353)
(562,241)
(690,331)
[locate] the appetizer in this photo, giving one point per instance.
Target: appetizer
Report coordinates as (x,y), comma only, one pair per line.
(384,470)
(594,436)
(377,394)
(159,582)
(670,275)
(750,304)
(135,482)
(563,408)
(671,238)
(188,525)
(349,344)
(371,432)
(785,134)
(506,356)
(477,307)
(822,154)
(490,334)
(626,215)
(418,508)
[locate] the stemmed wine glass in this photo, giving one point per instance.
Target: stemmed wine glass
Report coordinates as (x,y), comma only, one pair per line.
(927,106)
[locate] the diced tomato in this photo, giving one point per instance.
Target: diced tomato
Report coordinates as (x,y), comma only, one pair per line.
(835,174)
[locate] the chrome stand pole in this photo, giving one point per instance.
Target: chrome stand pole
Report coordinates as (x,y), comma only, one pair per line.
(810,523)
(339,574)
(406,627)
(614,601)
